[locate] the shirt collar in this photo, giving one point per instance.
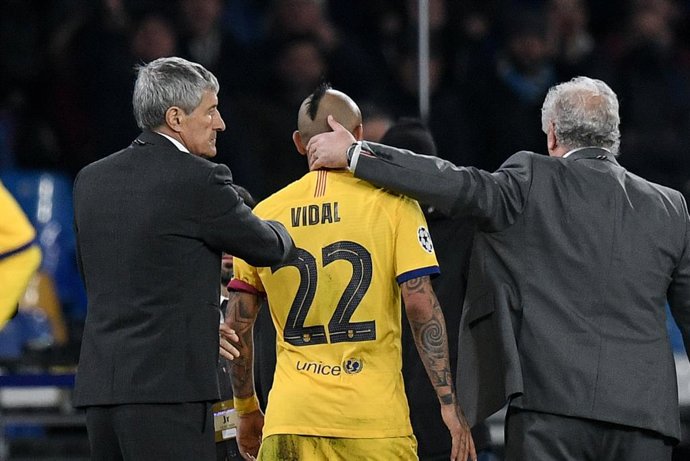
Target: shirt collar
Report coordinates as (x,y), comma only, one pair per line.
(582,148)
(177,143)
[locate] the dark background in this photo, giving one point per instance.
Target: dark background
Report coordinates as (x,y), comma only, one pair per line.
(66,78)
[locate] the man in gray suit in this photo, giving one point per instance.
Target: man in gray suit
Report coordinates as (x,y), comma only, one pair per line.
(572,265)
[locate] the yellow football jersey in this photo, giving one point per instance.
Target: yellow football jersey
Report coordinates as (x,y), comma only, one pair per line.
(20,256)
(336,307)
(16,232)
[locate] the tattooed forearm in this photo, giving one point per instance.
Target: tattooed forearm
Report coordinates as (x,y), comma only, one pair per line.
(429,330)
(432,337)
(242,311)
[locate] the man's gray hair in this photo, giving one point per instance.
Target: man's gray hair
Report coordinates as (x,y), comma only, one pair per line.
(168,82)
(584,112)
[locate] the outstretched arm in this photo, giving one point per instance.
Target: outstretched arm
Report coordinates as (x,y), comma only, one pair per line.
(242,311)
(429,331)
(495,199)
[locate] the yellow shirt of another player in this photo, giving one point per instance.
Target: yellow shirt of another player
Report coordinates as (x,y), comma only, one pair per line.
(337,307)
(16,232)
(19,254)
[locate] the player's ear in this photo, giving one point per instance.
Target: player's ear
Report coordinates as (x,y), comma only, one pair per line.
(297,139)
(358,132)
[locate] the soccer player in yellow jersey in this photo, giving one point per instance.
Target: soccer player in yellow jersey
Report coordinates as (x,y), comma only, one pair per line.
(20,255)
(338,391)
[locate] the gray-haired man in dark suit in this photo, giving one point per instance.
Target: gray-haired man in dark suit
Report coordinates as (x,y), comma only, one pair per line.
(151,222)
(571,269)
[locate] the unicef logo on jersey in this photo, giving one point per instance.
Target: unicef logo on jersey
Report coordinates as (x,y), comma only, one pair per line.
(352,365)
(425,239)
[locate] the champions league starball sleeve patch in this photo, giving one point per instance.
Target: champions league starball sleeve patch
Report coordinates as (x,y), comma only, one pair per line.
(424,239)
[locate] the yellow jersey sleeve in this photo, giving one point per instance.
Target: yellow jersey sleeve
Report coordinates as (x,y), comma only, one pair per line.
(245,277)
(414,250)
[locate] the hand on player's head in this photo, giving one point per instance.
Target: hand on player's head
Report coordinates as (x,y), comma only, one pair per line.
(328,150)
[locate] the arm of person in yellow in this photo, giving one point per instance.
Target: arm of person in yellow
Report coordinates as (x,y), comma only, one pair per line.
(242,311)
(20,256)
(428,328)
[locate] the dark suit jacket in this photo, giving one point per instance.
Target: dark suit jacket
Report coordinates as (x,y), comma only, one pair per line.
(573,263)
(151,223)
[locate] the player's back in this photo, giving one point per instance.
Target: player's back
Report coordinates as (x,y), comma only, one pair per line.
(337,306)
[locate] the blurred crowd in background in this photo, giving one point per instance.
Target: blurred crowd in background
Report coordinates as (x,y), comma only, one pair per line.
(67,72)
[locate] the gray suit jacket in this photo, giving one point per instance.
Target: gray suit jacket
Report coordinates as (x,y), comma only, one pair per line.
(571,269)
(151,223)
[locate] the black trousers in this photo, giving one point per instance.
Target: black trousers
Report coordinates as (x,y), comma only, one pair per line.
(536,436)
(145,432)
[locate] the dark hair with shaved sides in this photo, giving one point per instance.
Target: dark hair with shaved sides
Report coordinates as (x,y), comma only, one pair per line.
(315,98)
(325,101)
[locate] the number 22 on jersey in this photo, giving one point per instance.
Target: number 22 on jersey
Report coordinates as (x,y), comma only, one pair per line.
(340,329)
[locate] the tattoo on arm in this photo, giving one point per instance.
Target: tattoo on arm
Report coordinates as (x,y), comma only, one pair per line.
(429,330)
(242,311)
(416,285)
(446,399)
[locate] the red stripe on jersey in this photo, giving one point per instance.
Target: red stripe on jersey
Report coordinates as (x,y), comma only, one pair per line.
(239,285)
(320,183)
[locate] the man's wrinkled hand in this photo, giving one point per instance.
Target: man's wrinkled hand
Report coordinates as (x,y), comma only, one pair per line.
(329,150)
(228,339)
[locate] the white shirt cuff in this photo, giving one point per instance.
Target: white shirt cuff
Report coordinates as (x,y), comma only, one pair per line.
(355,156)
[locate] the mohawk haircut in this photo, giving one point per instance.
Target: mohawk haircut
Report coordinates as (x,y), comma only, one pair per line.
(315,99)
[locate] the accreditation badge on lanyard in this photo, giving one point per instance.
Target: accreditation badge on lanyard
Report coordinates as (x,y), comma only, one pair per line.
(224,420)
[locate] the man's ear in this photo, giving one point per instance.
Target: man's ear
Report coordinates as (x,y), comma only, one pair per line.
(358,132)
(174,117)
(551,141)
(297,139)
